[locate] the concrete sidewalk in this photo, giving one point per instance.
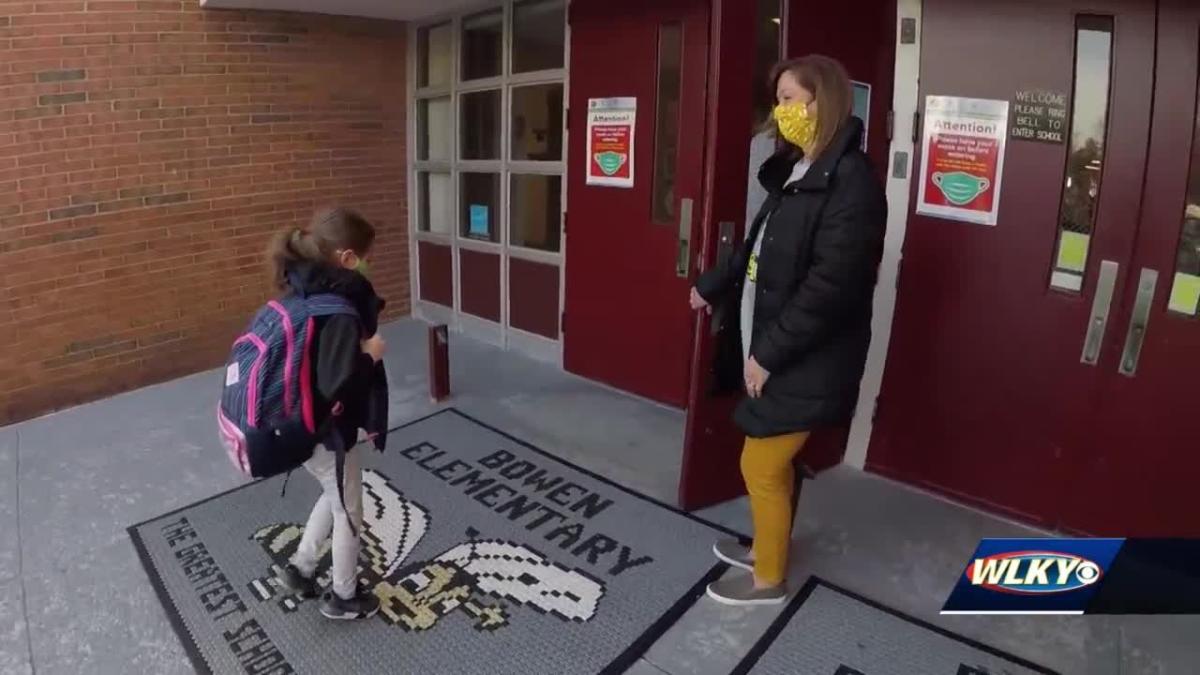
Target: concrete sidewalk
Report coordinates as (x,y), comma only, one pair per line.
(74,598)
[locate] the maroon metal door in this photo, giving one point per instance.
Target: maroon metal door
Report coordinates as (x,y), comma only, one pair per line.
(627,321)
(985,396)
(1136,476)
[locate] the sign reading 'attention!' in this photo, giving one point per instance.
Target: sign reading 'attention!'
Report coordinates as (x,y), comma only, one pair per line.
(610,129)
(962,158)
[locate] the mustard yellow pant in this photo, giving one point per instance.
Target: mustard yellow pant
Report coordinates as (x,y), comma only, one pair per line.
(770,478)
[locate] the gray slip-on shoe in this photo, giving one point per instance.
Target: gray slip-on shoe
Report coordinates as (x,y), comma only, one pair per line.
(739,590)
(732,552)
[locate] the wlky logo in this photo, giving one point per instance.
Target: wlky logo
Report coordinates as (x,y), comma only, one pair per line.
(1033,572)
(482,578)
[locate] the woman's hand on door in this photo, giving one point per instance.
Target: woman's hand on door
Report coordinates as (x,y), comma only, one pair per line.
(697,301)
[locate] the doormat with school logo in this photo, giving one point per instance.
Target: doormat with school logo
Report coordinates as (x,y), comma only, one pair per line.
(487,555)
(828,630)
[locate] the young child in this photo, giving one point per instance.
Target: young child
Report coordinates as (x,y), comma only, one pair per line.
(331,257)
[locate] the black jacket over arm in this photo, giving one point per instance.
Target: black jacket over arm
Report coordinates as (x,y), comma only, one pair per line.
(816,277)
(343,373)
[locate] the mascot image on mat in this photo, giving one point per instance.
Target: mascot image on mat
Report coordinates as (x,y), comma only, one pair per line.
(482,578)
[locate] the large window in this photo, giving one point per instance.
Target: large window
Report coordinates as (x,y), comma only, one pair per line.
(488,163)
(1185,288)
(1085,160)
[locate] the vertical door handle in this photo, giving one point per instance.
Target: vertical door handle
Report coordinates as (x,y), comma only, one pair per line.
(1101,303)
(684,254)
(1136,336)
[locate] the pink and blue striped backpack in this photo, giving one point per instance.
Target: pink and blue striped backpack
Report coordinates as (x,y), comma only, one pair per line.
(266,419)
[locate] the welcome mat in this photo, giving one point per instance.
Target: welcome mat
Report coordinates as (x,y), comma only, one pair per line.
(827,630)
(488,556)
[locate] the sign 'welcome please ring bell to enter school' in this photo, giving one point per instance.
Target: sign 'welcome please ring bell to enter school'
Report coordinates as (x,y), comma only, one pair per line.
(1039,115)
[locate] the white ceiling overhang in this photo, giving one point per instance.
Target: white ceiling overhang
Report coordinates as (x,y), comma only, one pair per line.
(399,10)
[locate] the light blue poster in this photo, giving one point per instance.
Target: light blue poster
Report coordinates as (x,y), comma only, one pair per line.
(478,226)
(862,107)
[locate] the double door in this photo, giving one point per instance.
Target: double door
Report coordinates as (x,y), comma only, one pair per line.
(1048,367)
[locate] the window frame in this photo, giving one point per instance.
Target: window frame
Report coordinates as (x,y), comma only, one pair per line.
(1066,280)
(502,333)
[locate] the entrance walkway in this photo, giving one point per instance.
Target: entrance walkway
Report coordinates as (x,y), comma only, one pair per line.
(74,599)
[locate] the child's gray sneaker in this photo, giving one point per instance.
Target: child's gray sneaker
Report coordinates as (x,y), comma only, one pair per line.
(296,583)
(363,605)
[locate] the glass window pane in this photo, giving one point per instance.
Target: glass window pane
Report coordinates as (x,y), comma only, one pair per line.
(480,206)
(434,124)
(436,203)
(767,52)
(1185,289)
(535,219)
(482,45)
(539,28)
(480,123)
(1085,158)
(433,56)
(666,134)
(537,123)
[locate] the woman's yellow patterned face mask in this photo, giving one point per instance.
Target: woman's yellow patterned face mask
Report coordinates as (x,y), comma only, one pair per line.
(796,125)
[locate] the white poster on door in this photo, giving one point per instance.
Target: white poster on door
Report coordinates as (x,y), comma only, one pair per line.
(610,130)
(962,158)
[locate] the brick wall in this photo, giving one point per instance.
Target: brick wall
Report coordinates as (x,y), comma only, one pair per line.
(147,150)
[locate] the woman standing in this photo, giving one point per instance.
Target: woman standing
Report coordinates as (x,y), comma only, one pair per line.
(795,306)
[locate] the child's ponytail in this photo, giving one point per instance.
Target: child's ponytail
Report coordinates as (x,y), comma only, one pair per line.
(286,248)
(332,229)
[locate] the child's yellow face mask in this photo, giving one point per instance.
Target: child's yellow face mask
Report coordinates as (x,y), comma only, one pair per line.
(796,125)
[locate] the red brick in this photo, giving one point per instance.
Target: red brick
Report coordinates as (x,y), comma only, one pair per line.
(89,39)
(111,5)
(46,19)
(162,135)
(121,116)
(113,94)
(68,143)
(109,25)
(120,205)
(65,121)
(136,104)
(139,126)
(72,211)
(55,6)
(161,113)
(35,42)
(130,38)
(185,123)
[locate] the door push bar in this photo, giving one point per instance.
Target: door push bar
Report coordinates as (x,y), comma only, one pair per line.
(1099,318)
(1136,336)
(683,257)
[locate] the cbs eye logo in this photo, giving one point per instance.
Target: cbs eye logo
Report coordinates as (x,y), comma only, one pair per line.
(1087,572)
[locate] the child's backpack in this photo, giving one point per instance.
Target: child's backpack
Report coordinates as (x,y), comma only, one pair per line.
(266,419)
